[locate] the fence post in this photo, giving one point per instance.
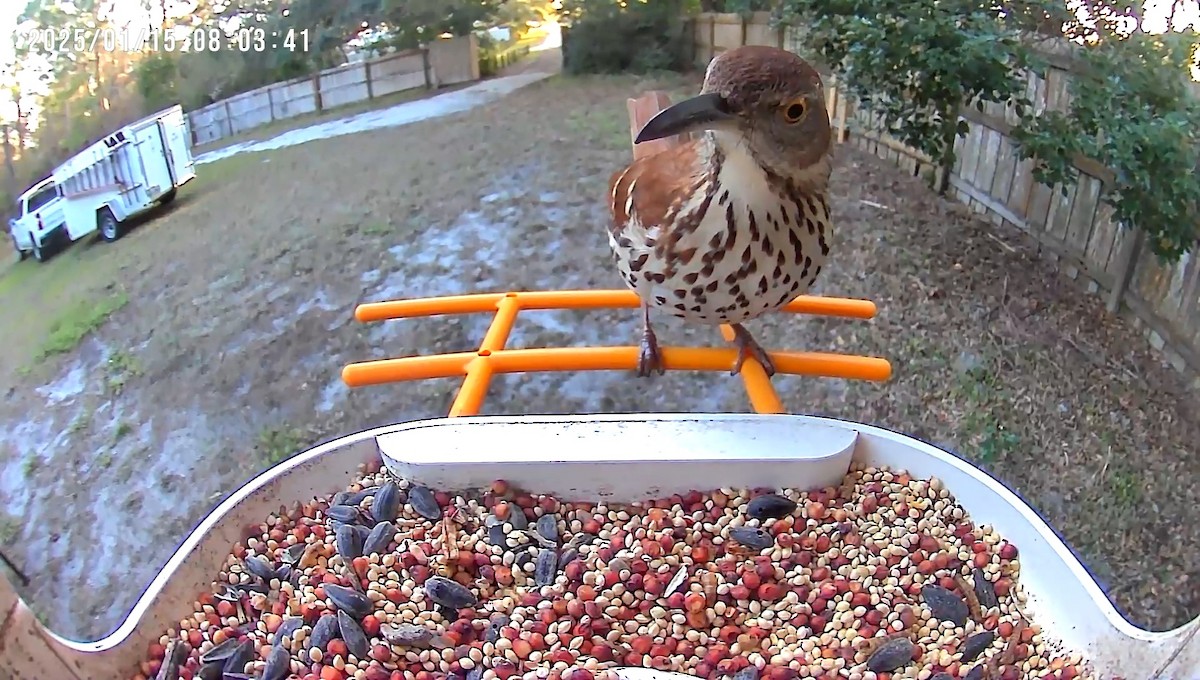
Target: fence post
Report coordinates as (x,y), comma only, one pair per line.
(842,113)
(426,66)
(316,81)
(690,27)
(367,70)
(712,37)
(1126,264)
(270,104)
(229,118)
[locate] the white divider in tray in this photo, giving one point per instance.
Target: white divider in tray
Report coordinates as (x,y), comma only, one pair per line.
(619,457)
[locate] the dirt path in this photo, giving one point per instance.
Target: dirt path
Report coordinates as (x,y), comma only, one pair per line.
(239,320)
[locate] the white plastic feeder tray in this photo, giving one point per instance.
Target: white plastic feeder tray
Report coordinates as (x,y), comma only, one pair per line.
(623,458)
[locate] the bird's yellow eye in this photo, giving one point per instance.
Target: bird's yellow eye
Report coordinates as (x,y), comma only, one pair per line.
(794,111)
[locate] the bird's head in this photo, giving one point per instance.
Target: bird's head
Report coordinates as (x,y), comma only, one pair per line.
(768,98)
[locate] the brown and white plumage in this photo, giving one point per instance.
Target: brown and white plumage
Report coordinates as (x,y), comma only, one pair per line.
(733,223)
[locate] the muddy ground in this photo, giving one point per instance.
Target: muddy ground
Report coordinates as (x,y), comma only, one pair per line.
(227,355)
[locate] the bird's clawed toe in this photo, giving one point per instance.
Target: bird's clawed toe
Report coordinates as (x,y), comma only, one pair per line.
(748,346)
(649,358)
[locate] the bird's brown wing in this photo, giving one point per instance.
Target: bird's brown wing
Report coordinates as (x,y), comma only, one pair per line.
(661,171)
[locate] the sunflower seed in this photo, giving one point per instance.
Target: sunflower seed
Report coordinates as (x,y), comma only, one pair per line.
(985,592)
(386,504)
(755,539)
(495,625)
(769,506)
(279,664)
(547,527)
(538,539)
(244,654)
(447,593)
(945,605)
(293,554)
(547,568)
(260,567)
(891,655)
(677,581)
(747,673)
(497,537)
(379,539)
(346,514)
(425,503)
(517,518)
(213,670)
(976,644)
(352,602)
(220,652)
(352,633)
(349,543)
(406,634)
(579,540)
(325,630)
(287,629)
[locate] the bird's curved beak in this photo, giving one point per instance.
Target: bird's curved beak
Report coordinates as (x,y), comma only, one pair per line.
(698,113)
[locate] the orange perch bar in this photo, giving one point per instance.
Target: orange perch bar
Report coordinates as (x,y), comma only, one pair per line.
(477,368)
(577,299)
(382,371)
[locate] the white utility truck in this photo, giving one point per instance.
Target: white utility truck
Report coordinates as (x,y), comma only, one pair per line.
(100,188)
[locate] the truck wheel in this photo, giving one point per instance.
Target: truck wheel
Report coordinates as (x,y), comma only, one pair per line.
(39,253)
(110,228)
(21,254)
(166,198)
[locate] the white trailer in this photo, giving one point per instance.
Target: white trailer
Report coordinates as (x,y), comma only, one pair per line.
(102,187)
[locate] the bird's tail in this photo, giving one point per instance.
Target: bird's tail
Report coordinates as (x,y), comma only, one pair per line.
(641,110)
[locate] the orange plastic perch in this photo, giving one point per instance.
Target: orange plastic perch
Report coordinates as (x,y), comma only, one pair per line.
(492,357)
(577,299)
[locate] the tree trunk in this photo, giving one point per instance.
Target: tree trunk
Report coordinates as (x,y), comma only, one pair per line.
(11,174)
(949,132)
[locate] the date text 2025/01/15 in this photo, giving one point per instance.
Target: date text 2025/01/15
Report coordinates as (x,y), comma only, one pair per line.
(216,40)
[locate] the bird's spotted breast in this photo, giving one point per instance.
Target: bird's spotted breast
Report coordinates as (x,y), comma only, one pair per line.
(739,245)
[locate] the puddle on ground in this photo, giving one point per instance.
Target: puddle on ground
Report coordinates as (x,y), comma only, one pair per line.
(333,395)
(465,256)
(318,301)
(68,386)
(131,466)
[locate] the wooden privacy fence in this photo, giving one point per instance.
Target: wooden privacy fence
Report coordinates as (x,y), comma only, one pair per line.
(1075,231)
(442,62)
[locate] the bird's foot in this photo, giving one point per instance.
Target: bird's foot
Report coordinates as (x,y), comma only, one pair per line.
(650,357)
(748,346)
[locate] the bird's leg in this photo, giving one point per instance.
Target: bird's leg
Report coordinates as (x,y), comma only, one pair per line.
(747,346)
(650,358)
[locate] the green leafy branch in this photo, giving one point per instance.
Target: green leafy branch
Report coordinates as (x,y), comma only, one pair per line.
(915,63)
(1130,109)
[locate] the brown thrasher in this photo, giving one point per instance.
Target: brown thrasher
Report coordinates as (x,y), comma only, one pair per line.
(734,222)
